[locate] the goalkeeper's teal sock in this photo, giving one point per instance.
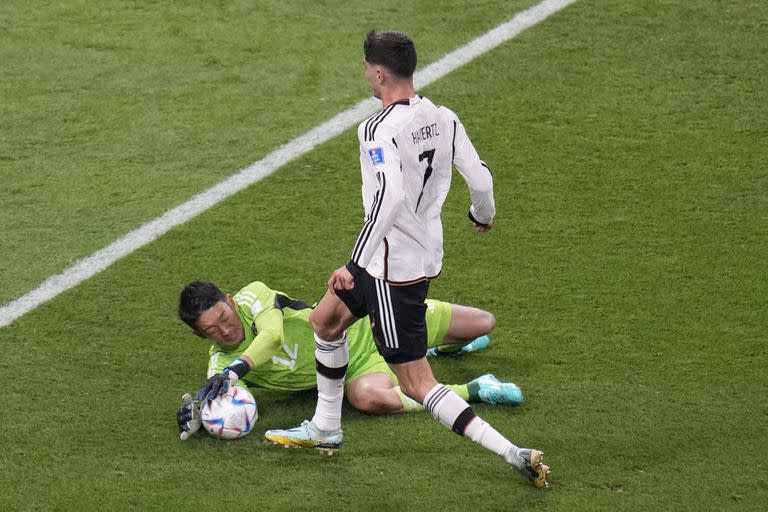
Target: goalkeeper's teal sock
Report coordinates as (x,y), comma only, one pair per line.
(473,391)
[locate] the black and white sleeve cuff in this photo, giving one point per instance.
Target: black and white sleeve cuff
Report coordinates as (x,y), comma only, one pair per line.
(474,220)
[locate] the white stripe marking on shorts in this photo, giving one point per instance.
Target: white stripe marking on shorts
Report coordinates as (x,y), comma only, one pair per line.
(386,315)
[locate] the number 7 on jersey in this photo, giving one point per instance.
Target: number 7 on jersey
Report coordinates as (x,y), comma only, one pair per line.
(428,155)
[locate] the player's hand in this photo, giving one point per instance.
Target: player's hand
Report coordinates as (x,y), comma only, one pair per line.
(216,385)
(188,417)
(479,226)
(483,228)
(219,383)
(341,279)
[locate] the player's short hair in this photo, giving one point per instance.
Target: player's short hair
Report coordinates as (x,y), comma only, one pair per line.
(196,298)
(393,50)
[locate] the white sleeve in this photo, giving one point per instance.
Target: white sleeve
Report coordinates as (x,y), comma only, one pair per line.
(476,175)
(381,159)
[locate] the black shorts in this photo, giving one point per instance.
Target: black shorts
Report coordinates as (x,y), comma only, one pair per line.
(397,315)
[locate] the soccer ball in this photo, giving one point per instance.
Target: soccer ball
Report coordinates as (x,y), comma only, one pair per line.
(231,415)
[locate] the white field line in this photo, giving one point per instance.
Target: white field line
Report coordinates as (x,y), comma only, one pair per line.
(103,258)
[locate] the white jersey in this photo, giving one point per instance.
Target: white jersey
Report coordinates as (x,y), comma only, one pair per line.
(406,156)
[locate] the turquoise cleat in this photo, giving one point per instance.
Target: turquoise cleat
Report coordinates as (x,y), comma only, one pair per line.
(492,391)
(307,435)
(476,344)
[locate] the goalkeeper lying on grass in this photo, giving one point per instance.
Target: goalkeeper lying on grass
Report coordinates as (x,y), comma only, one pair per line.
(263,338)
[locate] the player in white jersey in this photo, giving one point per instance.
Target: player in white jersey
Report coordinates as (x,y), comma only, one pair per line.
(406,155)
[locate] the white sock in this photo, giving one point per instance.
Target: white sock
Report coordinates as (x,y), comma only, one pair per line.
(331,358)
(486,436)
(456,414)
(448,408)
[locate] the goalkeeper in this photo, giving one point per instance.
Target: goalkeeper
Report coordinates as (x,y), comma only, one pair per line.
(263,338)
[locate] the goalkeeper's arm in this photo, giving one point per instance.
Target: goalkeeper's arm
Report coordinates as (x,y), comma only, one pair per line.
(267,342)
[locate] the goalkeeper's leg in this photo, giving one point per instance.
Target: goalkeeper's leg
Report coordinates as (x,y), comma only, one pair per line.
(455,329)
(377,393)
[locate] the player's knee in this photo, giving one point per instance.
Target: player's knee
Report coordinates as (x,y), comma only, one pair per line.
(314,319)
(323,327)
(368,405)
(372,400)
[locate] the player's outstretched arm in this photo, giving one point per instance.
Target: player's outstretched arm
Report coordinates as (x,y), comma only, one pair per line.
(266,344)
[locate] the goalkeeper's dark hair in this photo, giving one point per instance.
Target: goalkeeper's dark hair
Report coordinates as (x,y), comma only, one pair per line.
(196,298)
(393,50)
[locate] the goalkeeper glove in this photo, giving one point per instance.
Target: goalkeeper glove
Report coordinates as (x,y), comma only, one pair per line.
(188,417)
(219,383)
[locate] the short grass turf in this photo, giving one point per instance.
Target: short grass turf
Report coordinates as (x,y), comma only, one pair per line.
(627,273)
(113,112)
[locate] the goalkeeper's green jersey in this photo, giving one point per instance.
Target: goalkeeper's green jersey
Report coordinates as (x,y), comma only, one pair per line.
(292,367)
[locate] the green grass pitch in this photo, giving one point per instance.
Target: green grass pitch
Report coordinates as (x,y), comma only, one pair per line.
(627,270)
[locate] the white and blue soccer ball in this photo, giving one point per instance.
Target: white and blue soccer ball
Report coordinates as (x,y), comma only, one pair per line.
(231,415)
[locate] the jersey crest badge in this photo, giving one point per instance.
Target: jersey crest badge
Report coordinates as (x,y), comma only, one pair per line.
(377,156)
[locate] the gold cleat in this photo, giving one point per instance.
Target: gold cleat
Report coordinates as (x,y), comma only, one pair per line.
(307,436)
(529,463)
(538,472)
